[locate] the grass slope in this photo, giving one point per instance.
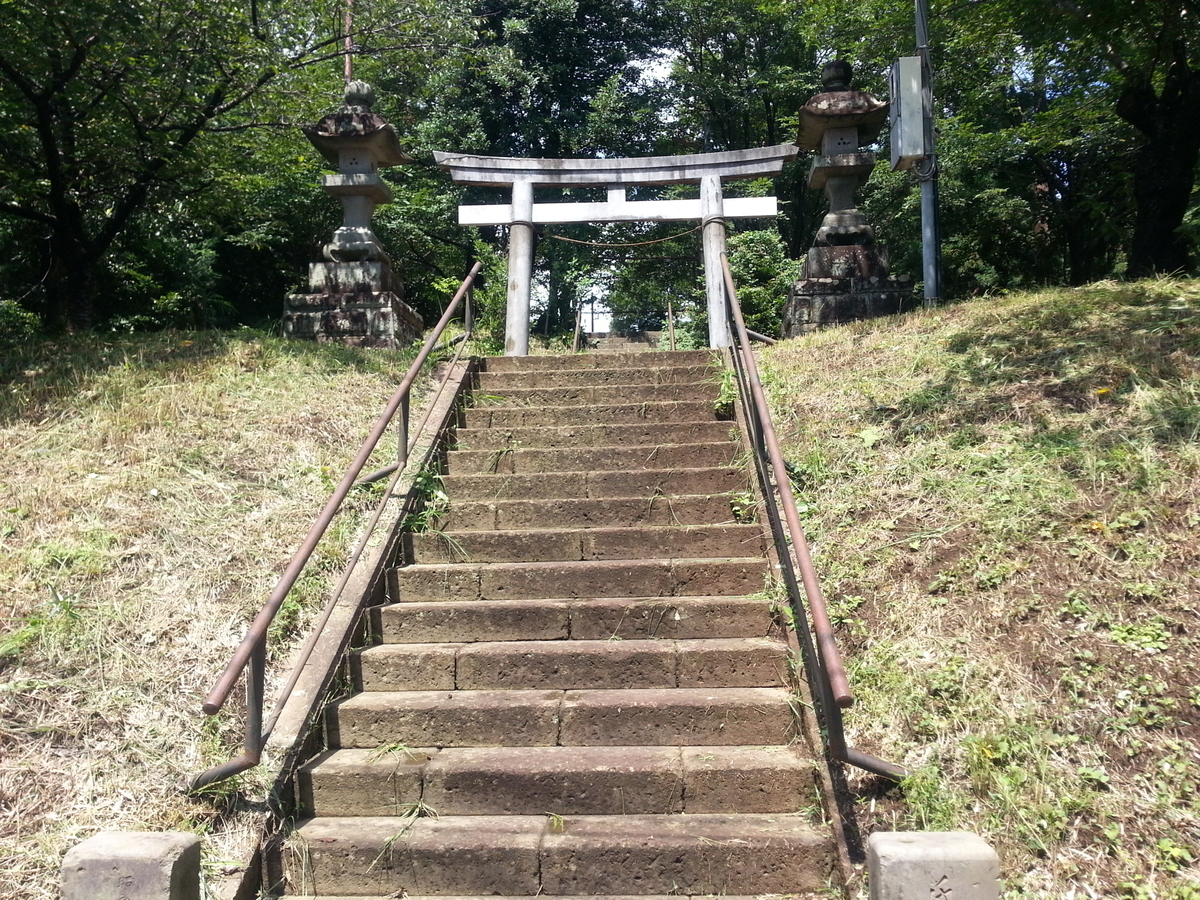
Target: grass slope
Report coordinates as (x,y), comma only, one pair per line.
(151,490)
(1003,498)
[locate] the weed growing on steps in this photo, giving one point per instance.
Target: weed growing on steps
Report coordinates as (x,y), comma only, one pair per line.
(397,750)
(1001,497)
(727,393)
(408,815)
(433,505)
(659,496)
(431,512)
(492,466)
(744,506)
(478,399)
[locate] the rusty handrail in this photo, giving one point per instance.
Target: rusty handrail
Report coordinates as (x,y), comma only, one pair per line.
(823,660)
(252,649)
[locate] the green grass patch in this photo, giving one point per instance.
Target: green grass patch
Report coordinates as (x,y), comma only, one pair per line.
(1002,495)
(152,489)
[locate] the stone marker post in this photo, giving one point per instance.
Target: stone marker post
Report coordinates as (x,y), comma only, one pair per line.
(353,296)
(846,272)
(921,865)
(133,865)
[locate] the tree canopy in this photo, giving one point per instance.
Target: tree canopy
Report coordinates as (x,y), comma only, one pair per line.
(151,171)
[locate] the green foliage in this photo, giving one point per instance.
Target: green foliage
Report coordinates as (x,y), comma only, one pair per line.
(16,322)
(134,108)
(762,274)
(155,178)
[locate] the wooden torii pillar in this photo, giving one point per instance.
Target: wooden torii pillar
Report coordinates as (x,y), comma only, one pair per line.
(522,214)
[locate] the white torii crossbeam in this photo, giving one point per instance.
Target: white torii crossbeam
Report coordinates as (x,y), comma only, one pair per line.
(616,174)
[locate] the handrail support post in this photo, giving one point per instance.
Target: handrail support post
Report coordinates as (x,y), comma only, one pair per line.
(255,695)
(402,447)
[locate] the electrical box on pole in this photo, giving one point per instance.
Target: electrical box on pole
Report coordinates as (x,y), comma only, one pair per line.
(910,121)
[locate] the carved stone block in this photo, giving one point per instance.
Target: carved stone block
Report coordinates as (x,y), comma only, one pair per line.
(361,319)
(862,260)
(820,302)
(343,277)
(953,865)
(133,865)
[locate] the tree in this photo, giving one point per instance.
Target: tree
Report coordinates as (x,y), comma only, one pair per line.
(549,78)
(116,109)
(1034,160)
(1141,59)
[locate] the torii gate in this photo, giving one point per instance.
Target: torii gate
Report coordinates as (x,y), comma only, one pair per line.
(616,174)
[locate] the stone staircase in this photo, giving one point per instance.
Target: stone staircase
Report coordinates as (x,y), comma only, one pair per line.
(615,342)
(579,689)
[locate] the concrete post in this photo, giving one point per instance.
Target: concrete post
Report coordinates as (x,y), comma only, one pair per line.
(520,270)
(713,234)
(116,865)
(915,865)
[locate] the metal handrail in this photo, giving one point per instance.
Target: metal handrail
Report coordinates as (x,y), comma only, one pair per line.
(252,649)
(823,662)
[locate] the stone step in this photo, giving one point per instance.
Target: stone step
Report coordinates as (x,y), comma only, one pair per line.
(567,665)
(682,896)
(638,434)
(615,413)
(714,577)
(651,509)
(709,854)
(589,361)
(551,620)
(499,382)
(583,459)
(533,718)
(577,544)
(600,395)
(457,781)
(701,854)
(644,483)
(617,344)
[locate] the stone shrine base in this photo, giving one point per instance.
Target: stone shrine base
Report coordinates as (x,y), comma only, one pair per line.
(359,319)
(820,302)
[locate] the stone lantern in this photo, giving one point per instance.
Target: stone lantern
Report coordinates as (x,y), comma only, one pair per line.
(846,272)
(353,297)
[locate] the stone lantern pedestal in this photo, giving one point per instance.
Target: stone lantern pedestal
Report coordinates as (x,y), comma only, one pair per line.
(353,297)
(846,275)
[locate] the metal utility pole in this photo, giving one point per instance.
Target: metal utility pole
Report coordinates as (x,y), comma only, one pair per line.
(927,171)
(348,48)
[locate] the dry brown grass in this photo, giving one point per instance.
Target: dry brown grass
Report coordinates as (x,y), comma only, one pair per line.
(1003,497)
(153,488)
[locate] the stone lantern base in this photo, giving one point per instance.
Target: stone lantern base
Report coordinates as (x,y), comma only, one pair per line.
(358,319)
(353,303)
(814,303)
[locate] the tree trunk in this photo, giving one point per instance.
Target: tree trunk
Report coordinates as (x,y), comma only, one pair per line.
(1162,188)
(1164,172)
(70,286)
